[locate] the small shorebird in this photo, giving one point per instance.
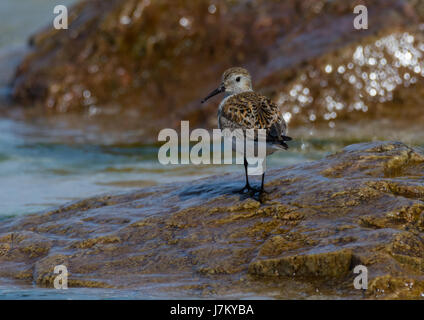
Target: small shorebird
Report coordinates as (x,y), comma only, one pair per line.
(242,108)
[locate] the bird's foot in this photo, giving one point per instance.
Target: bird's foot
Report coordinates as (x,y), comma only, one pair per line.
(262,191)
(263,195)
(247,188)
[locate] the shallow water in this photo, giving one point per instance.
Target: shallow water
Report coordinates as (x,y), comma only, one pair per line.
(40,168)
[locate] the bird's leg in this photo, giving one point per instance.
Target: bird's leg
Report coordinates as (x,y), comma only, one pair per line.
(247,186)
(262,184)
(247,176)
(262,192)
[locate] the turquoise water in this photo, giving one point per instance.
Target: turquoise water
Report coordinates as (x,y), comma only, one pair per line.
(27,292)
(14,292)
(40,168)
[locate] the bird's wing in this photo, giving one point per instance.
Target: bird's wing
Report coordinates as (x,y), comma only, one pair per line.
(250,110)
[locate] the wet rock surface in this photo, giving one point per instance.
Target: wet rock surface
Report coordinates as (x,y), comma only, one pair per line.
(151,62)
(362,205)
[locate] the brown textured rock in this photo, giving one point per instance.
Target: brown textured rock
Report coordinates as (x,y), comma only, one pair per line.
(389,287)
(325,265)
(302,239)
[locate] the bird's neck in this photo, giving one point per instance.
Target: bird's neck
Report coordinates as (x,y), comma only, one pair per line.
(237,91)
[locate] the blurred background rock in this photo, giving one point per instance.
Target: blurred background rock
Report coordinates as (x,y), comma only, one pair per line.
(149,62)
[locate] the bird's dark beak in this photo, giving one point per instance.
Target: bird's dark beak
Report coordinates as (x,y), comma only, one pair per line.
(214,93)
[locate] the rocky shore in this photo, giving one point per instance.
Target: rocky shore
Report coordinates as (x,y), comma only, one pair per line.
(362,205)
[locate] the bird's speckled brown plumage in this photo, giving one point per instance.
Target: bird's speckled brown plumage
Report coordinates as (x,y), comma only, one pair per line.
(250,110)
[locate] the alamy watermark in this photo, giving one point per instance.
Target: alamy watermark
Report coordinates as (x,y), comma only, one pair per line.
(361,20)
(248,143)
(61,20)
(361,281)
(61,281)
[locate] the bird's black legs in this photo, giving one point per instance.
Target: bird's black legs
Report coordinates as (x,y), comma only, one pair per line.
(247,186)
(247,176)
(262,184)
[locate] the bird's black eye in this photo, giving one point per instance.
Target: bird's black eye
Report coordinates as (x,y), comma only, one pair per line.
(238,79)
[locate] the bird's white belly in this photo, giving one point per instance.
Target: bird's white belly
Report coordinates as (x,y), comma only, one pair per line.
(270,148)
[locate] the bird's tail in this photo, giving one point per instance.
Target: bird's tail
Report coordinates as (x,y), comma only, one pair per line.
(281,144)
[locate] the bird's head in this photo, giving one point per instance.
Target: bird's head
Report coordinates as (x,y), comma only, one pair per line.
(234,80)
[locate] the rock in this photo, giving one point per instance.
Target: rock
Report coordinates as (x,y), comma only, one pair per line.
(362,205)
(389,287)
(151,62)
(328,264)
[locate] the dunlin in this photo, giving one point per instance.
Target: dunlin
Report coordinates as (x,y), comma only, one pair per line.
(242,108)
